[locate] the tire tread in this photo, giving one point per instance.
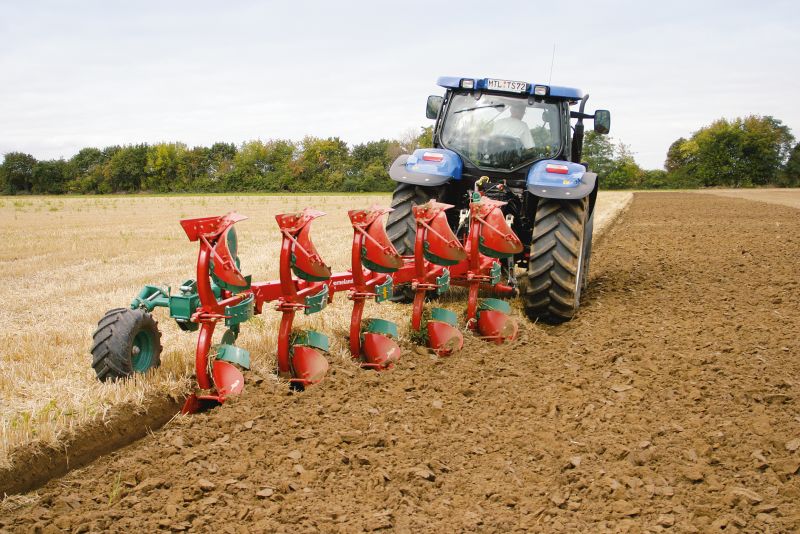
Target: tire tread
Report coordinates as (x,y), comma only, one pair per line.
(549,291)
(401,227)
(113,338)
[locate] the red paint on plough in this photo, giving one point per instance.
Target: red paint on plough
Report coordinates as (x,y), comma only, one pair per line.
(220,378)
(306,284)
(489,238)
(373,343)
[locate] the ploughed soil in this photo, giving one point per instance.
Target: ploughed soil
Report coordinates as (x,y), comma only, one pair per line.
(787,197)
(671,403)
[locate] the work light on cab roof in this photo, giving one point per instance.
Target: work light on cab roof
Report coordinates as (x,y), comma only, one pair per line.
(510,86)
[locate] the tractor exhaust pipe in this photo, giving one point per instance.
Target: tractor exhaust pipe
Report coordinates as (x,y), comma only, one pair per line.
(577,137)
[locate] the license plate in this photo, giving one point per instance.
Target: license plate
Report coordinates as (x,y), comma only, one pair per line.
(506,85)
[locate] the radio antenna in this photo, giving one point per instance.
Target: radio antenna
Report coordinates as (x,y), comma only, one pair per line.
(552,61)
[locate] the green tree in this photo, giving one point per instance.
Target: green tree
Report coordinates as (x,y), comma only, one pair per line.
(280,155)
(49,177)
(791,172)
(163,167)
(262,166)
(613,162)
(220,162)
(86,158)
(369,169)
(365,154)
(84,171)
(193,170)
(743,152)
(250,168)
(654,179)
(321,164)
(126,170)
(679,155)
(425,139)
(598,152)
(625,174)
(17,171)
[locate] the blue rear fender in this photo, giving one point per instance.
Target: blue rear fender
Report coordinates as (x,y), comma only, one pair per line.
(553,178)
(427,166)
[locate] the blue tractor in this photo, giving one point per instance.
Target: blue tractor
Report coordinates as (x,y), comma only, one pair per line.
(515,142)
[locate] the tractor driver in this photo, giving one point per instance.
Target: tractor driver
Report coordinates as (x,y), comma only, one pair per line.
(514,126)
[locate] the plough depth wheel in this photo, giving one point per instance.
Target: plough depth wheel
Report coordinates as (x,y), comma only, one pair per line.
(126,341)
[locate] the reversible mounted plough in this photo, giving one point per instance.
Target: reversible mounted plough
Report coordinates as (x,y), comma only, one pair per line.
(127,340)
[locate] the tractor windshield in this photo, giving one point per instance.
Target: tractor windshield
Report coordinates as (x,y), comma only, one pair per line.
(501,132)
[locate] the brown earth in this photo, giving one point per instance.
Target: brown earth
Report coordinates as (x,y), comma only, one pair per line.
(787,197)
(670,403)
(37,463)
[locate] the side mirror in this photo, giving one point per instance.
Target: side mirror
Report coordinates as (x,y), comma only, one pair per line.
(602,121)
(434,106)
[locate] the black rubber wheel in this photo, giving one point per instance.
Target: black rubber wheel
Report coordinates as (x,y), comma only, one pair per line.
(587,252)
(558,265)
(126,341)
(402,228)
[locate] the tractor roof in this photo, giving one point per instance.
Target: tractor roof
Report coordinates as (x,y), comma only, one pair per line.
(555,91)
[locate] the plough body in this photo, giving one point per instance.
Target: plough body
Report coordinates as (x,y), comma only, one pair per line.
(220,293)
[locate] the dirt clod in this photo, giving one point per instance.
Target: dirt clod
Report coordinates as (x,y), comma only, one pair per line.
(746,495)
(206,485)
(694,474)
(625,508)
(265,492)
(666,520)
(786,466)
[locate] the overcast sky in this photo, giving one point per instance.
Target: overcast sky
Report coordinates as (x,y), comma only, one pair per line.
(76,74)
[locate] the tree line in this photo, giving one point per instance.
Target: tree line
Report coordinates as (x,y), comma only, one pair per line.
(313,164)
(743,152)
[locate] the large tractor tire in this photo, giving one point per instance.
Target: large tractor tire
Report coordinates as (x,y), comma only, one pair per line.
(126,341)
(587,252)
(558,268)
(401,226)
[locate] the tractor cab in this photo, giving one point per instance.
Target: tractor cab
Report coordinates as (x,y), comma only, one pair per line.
(500,130)
(503,126)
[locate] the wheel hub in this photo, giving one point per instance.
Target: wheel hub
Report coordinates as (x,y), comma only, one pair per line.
(141,352)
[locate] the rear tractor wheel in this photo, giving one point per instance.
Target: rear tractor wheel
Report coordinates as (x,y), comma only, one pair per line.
(401,227)
(558,268)
(126,341)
